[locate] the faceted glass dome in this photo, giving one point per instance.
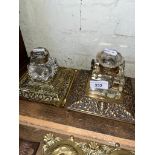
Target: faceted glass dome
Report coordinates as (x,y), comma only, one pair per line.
(109,58)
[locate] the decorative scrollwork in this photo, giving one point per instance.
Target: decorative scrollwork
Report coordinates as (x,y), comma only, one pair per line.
(58,146)
(53,91)
(122,110)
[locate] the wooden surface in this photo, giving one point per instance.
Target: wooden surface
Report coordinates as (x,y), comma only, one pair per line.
(82,134)
(78,120)
(28,147)
(46,118)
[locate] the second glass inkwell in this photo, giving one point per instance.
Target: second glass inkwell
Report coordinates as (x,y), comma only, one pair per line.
(107,78)
(104,91)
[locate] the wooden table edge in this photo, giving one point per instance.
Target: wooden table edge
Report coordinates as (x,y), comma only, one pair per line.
(76,132)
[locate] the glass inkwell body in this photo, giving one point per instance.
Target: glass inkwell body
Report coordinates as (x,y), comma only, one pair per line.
(107,78)
(41,66)
(45,81)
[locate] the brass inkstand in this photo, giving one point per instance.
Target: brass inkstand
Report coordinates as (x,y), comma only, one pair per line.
(45,81)
(104,91)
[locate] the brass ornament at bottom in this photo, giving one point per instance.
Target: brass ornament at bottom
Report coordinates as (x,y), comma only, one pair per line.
(64,148)
(58,146)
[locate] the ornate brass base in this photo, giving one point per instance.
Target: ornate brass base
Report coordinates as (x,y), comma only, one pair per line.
(57,146)
(53,92)
(80,101)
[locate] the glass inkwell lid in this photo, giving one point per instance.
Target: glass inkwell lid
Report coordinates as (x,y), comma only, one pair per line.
(109,58)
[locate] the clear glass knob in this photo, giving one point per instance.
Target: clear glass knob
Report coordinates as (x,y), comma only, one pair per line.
(109,58)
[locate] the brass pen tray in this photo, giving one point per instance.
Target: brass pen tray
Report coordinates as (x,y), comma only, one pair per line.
(53,92)
(58,146)
(80,101)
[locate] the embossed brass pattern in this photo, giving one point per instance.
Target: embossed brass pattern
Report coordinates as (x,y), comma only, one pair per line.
(121,110)
(58,146)
(54,91)
(70,86)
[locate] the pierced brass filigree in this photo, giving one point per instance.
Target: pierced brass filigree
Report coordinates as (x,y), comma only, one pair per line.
(122,110)
(58,146)
(54,91)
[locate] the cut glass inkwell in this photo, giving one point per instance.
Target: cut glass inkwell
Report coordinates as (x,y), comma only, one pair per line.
(45,81)
(107,78)
(41,66)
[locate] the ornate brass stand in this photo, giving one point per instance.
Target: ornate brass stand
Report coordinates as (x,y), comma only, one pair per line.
(57,146)
(80,101)
(53,92)
(71,86)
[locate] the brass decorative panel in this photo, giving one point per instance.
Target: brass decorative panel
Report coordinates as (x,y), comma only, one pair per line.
(58,146)
(53,92)
(80,101)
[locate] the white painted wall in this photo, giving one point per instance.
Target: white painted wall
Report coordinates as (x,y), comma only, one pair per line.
(55,24)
